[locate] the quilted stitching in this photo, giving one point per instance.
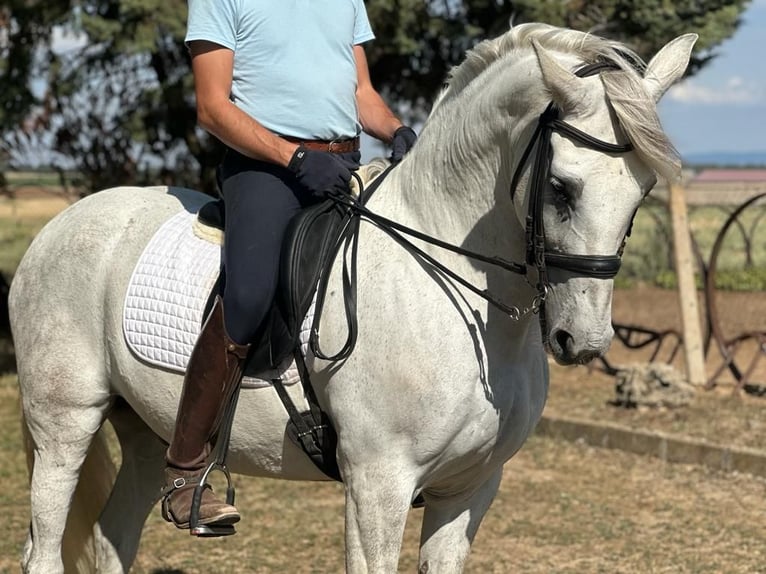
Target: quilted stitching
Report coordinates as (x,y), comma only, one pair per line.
(166,299)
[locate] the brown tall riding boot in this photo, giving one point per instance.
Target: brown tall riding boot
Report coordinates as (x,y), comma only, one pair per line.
(212,375)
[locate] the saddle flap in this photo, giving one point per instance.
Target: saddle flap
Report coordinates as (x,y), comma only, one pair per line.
(311,240)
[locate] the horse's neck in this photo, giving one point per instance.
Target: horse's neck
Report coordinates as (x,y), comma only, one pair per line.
(455,185)
(458,176)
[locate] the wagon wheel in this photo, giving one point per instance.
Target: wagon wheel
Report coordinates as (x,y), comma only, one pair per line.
(726,348)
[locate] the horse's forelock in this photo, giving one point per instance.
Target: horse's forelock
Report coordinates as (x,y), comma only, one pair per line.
(635,109)
(637,114)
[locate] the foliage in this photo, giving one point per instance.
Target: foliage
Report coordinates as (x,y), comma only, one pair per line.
(750,279)
(419,42)
(120,109)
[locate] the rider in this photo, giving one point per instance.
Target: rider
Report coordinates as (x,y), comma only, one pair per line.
(284,84)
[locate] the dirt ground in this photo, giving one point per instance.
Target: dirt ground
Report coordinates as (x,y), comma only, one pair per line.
(562,508)
(722,415)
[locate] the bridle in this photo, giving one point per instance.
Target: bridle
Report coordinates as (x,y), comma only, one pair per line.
(593,266)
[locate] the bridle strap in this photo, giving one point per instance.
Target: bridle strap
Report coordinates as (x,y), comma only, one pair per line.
(595,266)
(594,143)
(349,242)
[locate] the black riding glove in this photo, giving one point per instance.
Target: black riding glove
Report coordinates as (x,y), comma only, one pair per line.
(404,139)
(321,171)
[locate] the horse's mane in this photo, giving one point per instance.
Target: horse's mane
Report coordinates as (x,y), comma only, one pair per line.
(368,173)
(634,107)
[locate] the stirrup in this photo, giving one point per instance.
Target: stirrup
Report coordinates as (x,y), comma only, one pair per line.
(196,529)
(218,463)
(210,530)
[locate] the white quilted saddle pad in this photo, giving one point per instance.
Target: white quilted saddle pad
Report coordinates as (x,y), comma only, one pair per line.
(166,299)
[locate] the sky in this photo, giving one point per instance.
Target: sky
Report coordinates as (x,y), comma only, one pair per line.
(723,107)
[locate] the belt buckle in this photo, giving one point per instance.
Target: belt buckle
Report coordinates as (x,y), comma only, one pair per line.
(346,145)
(335,145)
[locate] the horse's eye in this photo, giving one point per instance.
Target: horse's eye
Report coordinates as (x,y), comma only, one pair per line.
(559,187)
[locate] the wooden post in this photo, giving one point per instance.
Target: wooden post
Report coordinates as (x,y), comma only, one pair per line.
(687,290)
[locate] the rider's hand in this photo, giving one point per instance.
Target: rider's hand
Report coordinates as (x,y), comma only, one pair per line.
(320,171)
(404,139)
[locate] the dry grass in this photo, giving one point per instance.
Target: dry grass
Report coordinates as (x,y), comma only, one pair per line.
(20,220)
(561,508)
(33,204)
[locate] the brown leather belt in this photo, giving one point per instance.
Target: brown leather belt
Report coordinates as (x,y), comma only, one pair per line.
(336,146)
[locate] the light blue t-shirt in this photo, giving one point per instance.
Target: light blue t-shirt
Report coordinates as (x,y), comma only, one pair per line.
(294,67)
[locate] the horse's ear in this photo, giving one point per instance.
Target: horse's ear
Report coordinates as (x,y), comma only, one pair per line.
(668,65)
(567,90)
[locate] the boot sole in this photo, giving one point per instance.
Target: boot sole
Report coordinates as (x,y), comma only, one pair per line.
(226,519)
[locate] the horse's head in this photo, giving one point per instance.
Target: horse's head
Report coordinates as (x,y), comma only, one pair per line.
(578,189)
(569,122)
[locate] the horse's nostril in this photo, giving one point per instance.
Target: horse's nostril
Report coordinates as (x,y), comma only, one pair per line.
(564,341)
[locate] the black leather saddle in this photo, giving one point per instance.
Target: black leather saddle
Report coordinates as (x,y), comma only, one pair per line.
(312,237)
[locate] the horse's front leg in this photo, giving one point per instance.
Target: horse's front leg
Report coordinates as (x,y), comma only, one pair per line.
(449,525)
(378,498)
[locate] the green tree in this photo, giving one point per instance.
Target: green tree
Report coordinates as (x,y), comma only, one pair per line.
(419,42)
(121,109)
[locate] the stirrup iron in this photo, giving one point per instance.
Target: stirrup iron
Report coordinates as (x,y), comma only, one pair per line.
(218,463)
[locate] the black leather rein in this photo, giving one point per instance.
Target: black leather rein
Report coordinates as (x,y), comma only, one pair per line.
(594,266)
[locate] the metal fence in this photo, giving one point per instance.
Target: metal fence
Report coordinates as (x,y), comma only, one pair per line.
(740,357)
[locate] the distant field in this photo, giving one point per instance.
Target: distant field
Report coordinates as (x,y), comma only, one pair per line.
(648,256)
(33,178)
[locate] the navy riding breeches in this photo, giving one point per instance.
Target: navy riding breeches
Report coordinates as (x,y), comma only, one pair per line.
(260,198)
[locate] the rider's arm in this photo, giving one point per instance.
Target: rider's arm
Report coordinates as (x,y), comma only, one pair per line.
(376,117)
(213,68)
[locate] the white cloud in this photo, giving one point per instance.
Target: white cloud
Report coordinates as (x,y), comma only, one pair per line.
(735,90)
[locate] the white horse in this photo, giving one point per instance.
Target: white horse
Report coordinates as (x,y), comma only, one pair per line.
(443,388)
